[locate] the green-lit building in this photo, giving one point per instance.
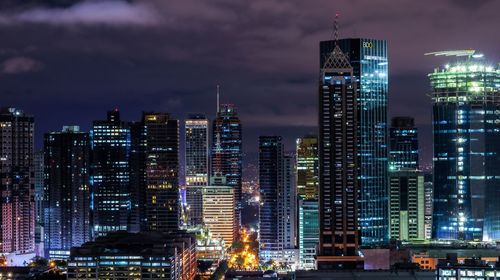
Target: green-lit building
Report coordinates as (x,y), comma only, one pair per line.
(466,128)
(307,194)
(406,205)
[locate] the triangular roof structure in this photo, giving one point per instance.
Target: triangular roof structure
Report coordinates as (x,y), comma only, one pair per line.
(337,60)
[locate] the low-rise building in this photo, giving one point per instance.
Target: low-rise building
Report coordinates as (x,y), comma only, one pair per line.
(144,255)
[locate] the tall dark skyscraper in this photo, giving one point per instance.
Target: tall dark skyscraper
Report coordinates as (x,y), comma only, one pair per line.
(39,207)
(227,150)
(466,128)
(110,175)
(368,58)
(196,153)
(278,200)
(16,181)
(162,171)
(338,164)
(67,191)
(404,144)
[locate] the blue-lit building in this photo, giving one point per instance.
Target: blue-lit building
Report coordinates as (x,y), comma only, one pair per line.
(466,129)
(308,233)
(66,191)
(368,58)
(278,200)
(110,175)
(404,144)
(227,150)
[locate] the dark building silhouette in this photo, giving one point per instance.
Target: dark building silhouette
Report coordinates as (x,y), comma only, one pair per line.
(368,58)
(67,191)
(338,165)
(404,144)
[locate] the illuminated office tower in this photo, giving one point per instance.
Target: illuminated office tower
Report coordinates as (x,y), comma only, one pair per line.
(278,200)
(162,168)
(404,144)
(67,193)
(109,175)
(227,150)
(368,58)
(338,165)
(466,128)
(307,192)
(219,212)
(17,182)
(196,153)
(307,167)
(407,205)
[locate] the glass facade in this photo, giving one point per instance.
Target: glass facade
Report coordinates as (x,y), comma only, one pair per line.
(404,144)
(466,129)
(307,195)
(227,150)
(308,233)
(368,57)
(67,159)
(196,137)
(109,180)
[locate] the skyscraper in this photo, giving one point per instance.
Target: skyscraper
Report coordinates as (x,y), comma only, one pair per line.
(466,128)
(110,175)
(67,193)
(227,150)
(17,182)
(407,205)
(39,198)
(307,192)
(162,171)
(338,164)
(404,144)
(196,153)
(307,167)
(219,212)
(368,58)
(277,196)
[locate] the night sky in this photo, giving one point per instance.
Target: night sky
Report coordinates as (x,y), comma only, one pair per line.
(68,61)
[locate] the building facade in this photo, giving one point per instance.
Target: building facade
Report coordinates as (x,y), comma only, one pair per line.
(404,144)
(307,195)
(278,201)
(110,175)
(17,182)
(407,205)
(466,129)
(338,165)
(67,191)
(227,150)
(196,153)
(368,58)
(145,255)
(162,171)
(219,214)
(39,207)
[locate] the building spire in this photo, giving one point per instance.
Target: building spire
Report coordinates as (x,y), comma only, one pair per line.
(336,28)
(218,103)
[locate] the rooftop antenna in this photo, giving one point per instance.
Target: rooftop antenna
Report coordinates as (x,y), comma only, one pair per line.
(336,29)
(218,104)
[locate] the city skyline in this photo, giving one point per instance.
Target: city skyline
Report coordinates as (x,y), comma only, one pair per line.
(201,135)
(162,75)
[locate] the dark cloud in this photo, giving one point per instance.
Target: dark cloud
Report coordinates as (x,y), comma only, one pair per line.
(169,55)
(18,65)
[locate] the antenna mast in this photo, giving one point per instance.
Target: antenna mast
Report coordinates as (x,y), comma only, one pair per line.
(218,104)
(336,28)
